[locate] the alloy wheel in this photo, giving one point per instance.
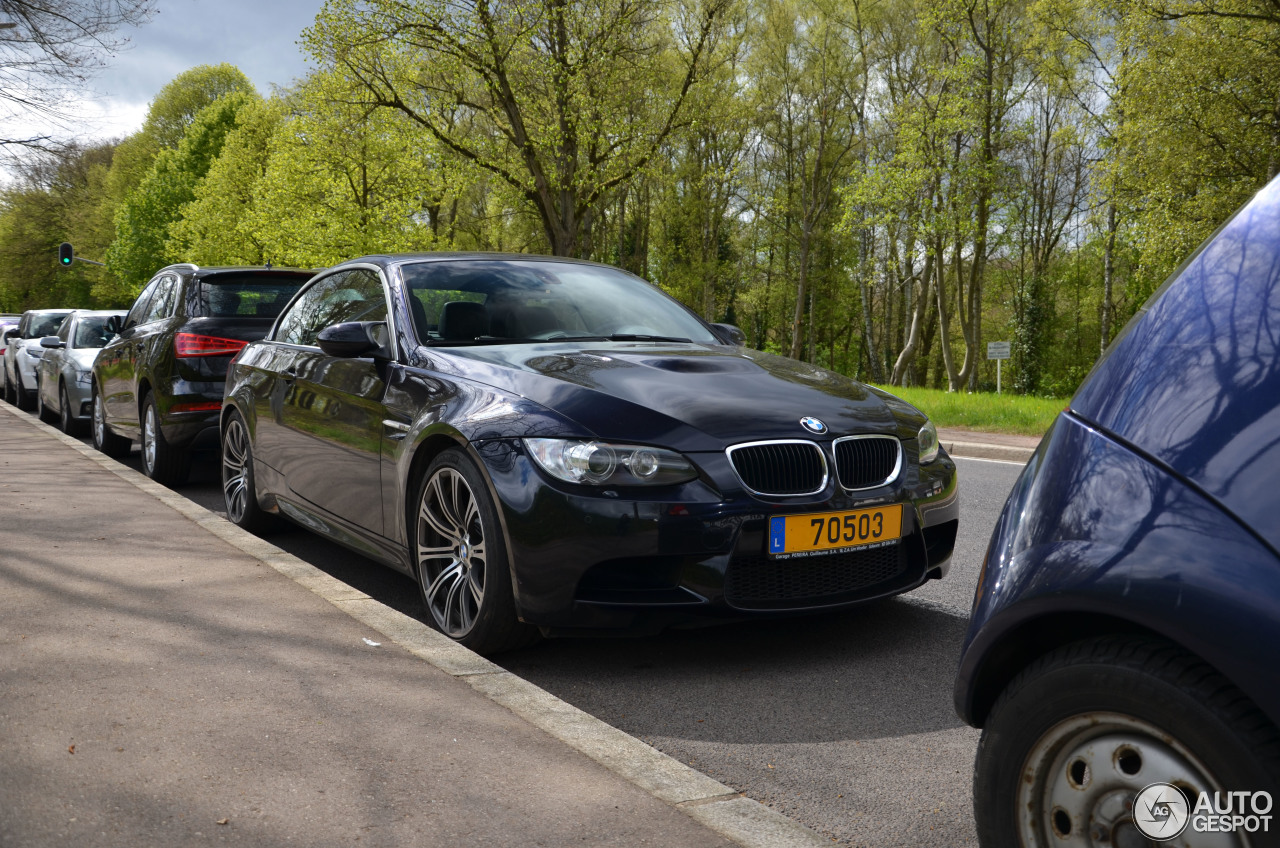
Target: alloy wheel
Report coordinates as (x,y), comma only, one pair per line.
(235,459)
(452,555)
(149,440)
(64,411)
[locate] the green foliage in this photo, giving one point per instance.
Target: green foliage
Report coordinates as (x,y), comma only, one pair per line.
(562,102)
(343,178)
(217,226)
(143,222)
(51,202)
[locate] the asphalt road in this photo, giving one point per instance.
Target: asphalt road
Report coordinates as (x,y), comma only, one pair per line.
(843,722)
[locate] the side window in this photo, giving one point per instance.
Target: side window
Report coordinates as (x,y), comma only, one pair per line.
(161,305)
(355,295)
(139,308)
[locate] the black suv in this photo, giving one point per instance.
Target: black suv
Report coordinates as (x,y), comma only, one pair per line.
(160,379)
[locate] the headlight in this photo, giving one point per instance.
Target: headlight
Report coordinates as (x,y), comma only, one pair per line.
(928,440)
(84,378)
(33,352)
(600,463)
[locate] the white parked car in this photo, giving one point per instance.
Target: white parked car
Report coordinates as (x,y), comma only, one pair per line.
(22,352)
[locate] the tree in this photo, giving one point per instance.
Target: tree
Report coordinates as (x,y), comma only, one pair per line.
(218,226)
(50,51)
(144,221)
(563,102)
(45,205)
(345,178)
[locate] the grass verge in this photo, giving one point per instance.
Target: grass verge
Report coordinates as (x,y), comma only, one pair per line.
(983,411)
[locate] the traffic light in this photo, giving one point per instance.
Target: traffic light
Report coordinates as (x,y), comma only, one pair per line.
(66,254)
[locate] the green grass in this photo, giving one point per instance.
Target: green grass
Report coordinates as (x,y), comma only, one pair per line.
(983,411)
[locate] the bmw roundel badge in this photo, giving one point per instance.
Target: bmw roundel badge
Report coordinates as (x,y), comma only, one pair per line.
(813,425)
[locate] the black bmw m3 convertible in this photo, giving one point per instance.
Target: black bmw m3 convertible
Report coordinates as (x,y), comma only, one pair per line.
(555,446)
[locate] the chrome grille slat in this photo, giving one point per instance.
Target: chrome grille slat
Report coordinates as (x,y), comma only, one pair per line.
(781,468)
(864,462)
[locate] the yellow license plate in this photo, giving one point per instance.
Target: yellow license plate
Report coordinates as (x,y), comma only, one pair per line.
(828,532)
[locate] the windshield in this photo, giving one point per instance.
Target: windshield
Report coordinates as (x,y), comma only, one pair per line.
(45,325)
(493,301)
(91,332)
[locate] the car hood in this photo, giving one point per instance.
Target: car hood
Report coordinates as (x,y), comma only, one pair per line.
(686,396)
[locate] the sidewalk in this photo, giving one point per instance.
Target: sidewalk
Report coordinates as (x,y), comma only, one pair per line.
(168,680)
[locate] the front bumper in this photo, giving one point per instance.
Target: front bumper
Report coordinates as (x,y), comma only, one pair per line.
(589,560)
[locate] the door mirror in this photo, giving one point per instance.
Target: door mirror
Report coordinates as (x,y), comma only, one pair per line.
(113,324)
(52,342)
(729,334)
(351,339)
(10,333)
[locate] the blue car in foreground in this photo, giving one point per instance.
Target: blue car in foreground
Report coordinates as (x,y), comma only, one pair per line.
(1123,653)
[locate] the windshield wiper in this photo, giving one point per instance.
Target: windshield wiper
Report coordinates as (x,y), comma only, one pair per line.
(640,337)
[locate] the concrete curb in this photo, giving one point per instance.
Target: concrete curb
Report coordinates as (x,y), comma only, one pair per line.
(981,450)
(702,798)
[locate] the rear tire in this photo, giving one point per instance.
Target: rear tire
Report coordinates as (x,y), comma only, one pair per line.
(461,560)
(161,461)
(71,425)
(1080,732)
(238,488)
(103,439)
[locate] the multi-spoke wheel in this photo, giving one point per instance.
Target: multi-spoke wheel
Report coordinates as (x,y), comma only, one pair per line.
(43,412)
(237,477)
(67,419)
(1081,734)
(161,461)
(103,439)
(462,564)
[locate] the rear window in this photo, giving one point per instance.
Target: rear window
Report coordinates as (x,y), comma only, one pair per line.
(246,295)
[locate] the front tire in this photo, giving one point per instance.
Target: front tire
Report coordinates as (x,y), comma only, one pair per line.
(103,439)
(161,461)
(462,565)
(238,490)
(43,412)
(71,425)
(25,401)
(1079,733)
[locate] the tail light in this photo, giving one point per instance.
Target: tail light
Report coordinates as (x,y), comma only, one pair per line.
(192,344)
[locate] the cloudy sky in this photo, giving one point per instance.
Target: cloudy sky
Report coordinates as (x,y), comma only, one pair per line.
(258,36)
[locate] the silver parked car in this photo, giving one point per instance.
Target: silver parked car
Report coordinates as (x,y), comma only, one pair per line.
(65,373)
(22,352)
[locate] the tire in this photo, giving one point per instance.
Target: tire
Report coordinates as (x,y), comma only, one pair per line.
(71,425)
(43,412)
(461,560)
(238,490)
(161,461)
(24,401)
(103,439)
(1080,732)
(8,387)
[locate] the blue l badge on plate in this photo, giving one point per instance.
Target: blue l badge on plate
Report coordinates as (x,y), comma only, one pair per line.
(777,535)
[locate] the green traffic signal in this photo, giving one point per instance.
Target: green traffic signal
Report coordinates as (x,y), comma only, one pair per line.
(66,255)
